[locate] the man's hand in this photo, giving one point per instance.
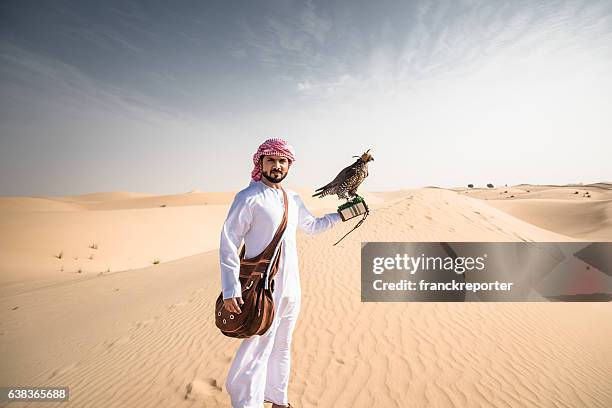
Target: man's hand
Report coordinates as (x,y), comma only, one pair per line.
(231,304)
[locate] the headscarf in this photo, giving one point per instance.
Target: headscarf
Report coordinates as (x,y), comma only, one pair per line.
(271,147)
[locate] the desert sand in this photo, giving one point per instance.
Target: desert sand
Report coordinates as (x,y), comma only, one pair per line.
(135,327)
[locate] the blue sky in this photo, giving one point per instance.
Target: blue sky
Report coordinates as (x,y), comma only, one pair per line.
(166,97)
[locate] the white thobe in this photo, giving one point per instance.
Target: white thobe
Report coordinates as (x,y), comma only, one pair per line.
(254,216)
(260,370)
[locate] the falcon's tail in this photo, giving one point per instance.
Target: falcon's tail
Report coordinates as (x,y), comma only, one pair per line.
(319,192)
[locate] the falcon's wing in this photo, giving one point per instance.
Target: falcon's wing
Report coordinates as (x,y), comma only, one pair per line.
(345,174)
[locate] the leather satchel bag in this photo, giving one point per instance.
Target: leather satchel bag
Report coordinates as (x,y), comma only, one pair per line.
(257,283)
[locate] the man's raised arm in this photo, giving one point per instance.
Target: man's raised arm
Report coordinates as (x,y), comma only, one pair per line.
(313,225)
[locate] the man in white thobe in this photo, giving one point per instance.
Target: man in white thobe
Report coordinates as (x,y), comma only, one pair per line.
(260,370)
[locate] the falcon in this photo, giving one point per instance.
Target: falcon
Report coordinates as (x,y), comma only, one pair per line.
(348,180)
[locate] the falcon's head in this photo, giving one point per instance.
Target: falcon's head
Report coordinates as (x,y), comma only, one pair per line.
(366,157)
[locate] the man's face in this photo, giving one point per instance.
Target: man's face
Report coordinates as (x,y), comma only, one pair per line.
(274,168)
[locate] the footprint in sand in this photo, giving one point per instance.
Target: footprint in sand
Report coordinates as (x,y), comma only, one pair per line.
(119,341)
(62,370)
(175,305)
(145,323)
(206,387)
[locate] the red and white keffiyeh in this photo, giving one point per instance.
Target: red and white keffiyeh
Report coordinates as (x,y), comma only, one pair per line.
(271,147)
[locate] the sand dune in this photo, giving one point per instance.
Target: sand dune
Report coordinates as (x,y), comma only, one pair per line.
(22,204)
(48,239)
(110,232)
(596,191)
(112,201)
(32,242)
(580,211)
(586,220)
(146,337)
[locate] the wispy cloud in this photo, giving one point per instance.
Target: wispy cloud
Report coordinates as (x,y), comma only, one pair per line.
(293,41)
(439,39)
(27,75)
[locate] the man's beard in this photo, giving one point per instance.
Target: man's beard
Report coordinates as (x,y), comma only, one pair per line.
(274,177)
